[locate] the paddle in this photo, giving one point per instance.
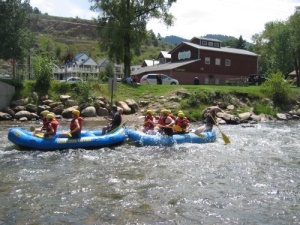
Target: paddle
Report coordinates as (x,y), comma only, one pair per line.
(113,130)
(225,138)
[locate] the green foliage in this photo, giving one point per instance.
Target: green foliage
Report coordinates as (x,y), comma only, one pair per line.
(82,91)
(259,108)
(122,28)
(277,89)
(42,68)
(15,38)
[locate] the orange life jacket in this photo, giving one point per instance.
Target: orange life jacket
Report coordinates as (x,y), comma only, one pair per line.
(73,125)
(54,124)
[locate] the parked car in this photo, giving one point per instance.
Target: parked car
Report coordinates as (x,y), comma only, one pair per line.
(72,80)
(5,76)
(158,79)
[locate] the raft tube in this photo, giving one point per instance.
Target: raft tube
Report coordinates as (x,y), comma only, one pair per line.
(144,139)
(89,139)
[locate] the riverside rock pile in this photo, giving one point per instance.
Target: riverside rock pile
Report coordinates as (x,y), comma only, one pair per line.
(24,109)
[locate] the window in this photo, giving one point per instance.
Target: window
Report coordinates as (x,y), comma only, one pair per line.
(204,42)
(217,81)
(210,44)
(227,62)
(217,45)
(218,62)
(207,60)
(206,80)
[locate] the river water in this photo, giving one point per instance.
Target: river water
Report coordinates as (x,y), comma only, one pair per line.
(253,180)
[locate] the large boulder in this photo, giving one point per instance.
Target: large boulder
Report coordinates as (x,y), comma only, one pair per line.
(9,111)
(89,112)
(21,114)
(102,111)
(132,105)
(31,108)
(5,116)
(67,113)
(58,109)
(245,116)
(125,108)
(20,102)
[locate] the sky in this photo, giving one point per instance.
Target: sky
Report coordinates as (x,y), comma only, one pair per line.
(195,18)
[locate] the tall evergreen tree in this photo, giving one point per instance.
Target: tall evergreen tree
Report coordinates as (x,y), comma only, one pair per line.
(122,25)
(241,43)
(15,38)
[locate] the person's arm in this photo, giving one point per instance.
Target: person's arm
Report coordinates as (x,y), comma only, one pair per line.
(51,129)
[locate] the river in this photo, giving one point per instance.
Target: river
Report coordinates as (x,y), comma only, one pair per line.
(253,180)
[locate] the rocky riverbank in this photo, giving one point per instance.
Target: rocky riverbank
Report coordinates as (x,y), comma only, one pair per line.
(26,110)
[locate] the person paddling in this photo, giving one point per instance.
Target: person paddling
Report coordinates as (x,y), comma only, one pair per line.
(75,126)
(149,121)
(182,124)
(165,122)
(51,127)
(115,121)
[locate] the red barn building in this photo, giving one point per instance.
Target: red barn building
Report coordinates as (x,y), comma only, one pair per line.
(206,59)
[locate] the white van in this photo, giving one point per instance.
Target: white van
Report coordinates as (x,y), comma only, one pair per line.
(154,79)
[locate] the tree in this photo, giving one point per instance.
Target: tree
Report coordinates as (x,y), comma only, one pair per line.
(294,22)
(241,43)
(15,38)
(42,69)
(122,25)
(274,46)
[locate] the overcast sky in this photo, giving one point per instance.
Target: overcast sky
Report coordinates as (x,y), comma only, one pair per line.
(195,18)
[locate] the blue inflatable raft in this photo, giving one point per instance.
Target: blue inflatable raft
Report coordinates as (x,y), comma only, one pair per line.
(88,140)
(144,139)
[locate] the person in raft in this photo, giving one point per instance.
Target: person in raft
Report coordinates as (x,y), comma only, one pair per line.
(115,120)
(44,123)
(181,124)
(209,121)
(75,126)
(148,125)
(51,126)
(165,122)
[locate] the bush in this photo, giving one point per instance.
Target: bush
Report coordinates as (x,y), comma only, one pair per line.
(42,67)
(259,108)
(277,89)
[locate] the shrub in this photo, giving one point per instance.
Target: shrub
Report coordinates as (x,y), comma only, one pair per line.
(42,67)
(277,89)
(259,108)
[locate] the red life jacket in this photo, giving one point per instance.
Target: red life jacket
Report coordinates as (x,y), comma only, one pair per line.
(73,125)
(172,116)
(162,120)
(148,125)
(54,124)
(182,122)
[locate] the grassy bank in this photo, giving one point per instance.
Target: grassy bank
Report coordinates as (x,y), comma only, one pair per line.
(198,97)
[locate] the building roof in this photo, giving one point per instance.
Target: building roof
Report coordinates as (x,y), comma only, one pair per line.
(222,49)
(165,54)
(149,62)
(165,66)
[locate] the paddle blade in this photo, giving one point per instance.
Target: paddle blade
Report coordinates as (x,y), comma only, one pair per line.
(198,133)
(40,135)
(177,128)
(225,138)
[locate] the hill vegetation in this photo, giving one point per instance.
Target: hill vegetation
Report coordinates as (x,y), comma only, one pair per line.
(56,36)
